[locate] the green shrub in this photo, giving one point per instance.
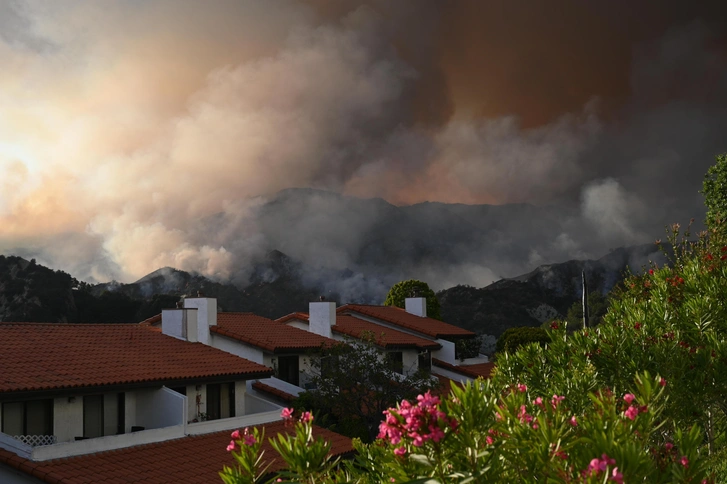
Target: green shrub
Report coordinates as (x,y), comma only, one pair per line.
(514,338)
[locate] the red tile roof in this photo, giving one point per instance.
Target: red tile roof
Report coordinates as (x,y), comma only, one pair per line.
(267,334)
(386,337)
(190,460)
(483,370)
(154,320)
(292,316)
(45,356)
(279,394)
(399,317)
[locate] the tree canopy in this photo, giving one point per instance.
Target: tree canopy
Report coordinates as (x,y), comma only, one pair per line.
(354,383)
(413,288)
(714,189)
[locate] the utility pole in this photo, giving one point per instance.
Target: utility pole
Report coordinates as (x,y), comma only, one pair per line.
(585,300)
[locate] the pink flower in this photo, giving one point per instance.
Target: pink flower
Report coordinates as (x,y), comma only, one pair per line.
(662,382)
(629,397)
(539,402)
(489,440)
(249,440)
(616,476)
(574,421)
(668,446)
(400,451)
(306,417)
(684,461)
(555,401)
(287,413)
(522,388)
(631,412)
(232,446)
(235,435)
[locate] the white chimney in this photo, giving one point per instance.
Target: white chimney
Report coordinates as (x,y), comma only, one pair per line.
(321,316)
(180,323)
(416,306)
(206,315)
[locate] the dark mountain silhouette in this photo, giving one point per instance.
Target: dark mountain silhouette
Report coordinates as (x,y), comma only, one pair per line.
(540,295)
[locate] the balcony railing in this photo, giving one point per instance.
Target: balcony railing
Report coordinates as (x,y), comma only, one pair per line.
(36,440)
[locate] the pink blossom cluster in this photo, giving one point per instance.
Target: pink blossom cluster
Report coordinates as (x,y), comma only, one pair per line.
(287,414)
(633,410)
(598,466)
(246,438)
(420,423)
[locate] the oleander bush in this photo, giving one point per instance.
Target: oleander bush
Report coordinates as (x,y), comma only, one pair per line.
(642,397)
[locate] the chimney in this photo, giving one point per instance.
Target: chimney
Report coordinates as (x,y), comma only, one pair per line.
(416,306)
(206,315)
(321,316)
(180,323)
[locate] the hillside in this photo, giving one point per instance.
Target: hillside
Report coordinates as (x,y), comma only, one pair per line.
(544,293)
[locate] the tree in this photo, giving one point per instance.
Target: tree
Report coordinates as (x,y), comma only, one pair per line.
(597,308)
(514,338)
(714,189)
(354,383)
(413,288)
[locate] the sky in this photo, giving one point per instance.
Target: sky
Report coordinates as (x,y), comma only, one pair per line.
(125,122)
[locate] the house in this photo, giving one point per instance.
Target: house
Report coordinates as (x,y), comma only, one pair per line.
(284,348)
(71,390)
(430,343)
(406,352)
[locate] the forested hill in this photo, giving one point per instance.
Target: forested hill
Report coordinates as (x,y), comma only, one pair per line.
(32,292)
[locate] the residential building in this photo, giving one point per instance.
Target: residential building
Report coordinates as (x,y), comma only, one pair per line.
(284,348)
(432,343)
(71,390)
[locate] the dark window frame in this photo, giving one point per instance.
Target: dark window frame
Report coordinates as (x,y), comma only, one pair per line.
(50,409)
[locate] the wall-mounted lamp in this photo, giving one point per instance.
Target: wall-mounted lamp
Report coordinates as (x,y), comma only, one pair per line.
(71,399)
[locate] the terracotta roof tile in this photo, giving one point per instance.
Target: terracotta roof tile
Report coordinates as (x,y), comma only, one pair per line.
(191,459)
(280,394)
(386,337)
(35,356)
(267,334)
(399,317)
(483,370)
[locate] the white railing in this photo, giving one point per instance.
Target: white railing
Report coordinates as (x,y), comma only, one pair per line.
(210,426)
(109,442)
(36,440)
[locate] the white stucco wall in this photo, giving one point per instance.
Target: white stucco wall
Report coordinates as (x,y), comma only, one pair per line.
(411,361)
(237,348)
(67,418)
(240,396)
(206,315)
(445,354)
(196,393)
(160,408)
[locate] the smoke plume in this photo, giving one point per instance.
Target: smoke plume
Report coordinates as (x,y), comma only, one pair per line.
(137,135)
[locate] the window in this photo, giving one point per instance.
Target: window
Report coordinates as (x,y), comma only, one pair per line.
(395,360)
(213,401)
(425,360)
(220,400)
(121,413)
(33,417)
(288,369)
(93,424)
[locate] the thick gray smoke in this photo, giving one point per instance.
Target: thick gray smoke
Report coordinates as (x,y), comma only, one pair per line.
(138,135)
